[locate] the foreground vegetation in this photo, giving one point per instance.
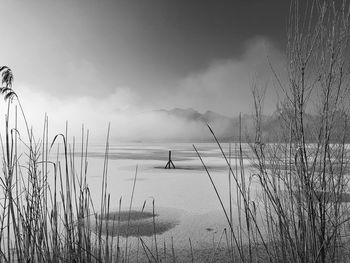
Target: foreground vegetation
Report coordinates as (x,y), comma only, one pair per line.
(301,213)
(39,221)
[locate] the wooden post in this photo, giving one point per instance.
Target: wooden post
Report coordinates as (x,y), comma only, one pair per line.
(170,163)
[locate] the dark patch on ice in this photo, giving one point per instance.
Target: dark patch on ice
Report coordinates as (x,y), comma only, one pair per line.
(196,167)
(126,215)
(139,223)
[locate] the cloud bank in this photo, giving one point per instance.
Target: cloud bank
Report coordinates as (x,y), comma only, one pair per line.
(225,85)
(222,87)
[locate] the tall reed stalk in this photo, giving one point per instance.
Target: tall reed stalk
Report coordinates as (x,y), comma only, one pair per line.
(46,210)
(301,211)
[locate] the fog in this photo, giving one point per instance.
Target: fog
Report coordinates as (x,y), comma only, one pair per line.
(224,87)
(128,121)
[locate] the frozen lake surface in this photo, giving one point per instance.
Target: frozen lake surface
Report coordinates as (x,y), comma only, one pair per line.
(184,196)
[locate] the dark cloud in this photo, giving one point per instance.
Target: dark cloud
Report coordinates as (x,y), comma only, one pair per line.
(164,54)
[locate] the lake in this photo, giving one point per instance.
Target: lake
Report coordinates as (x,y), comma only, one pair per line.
(183,197)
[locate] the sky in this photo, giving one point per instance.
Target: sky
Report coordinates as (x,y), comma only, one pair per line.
(95,61)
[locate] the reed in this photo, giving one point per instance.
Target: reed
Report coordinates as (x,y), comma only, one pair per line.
(46,210)
(300,213)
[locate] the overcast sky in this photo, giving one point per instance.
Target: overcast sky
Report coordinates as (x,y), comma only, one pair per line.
(81,56)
